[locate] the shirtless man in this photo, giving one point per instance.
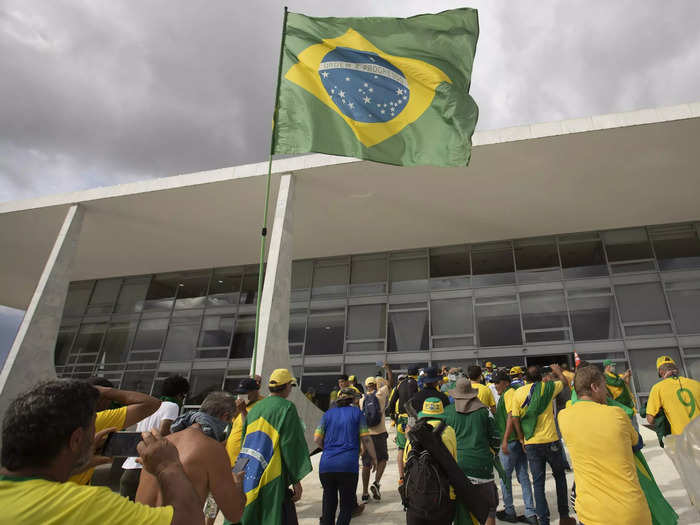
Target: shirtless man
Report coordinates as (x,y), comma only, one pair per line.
(198,437)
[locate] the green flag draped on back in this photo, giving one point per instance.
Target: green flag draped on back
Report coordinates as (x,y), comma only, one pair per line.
(277,455)
(661,511)
(502,416)
(391,90)
(538,400)
(625,397)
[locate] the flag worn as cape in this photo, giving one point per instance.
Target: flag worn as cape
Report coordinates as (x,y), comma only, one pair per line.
(502,416)
(277,455)
(391,90)
(538,400)
(625,396)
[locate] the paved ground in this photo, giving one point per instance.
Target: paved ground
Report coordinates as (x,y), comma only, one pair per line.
(389,510)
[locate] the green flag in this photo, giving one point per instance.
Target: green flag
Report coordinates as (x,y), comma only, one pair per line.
(391,90)
(277,457)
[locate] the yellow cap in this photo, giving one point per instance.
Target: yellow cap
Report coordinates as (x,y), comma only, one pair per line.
(663,360)
(351,378)
(281,376)
(370,381)
(516,370)
(489,364)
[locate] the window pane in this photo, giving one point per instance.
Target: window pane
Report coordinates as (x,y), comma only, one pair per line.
(138,381)
(321,386)
(644,266)
(543,310)
(627,245)
(449,261)
(297,327)
(150,334)
(217,330)
(641,302)
(367,346)
(89,338)
(693,366)
(409,275)
(225,287)
(77,298)
(498,324)
(648,329)
(367,321)
(203,382)
(301,274)
(117,341)
(492,264)
(249,288)
(676,247)
(541,337)
(408,331)
(368,275)
(244,337)
(685,305)
(330,279)
(452,342)
(132,295)
(161,292)
(182,339)
(452,316)
(644,365)
(531,254)
(64,341)
(325,333)
(192,290)
(103,296)
(584,258)
(594,318)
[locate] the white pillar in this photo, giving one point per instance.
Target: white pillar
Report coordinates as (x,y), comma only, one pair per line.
(273,331)
(31,358)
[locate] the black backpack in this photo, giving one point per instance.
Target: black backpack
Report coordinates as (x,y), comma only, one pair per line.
(372,410)
(425,490)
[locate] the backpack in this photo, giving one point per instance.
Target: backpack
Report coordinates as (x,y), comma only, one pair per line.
(426,489)
(372,410)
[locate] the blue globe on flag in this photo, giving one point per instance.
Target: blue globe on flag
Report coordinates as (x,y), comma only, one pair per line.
(364,86)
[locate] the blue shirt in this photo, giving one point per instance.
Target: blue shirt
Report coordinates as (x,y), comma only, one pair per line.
(341,429)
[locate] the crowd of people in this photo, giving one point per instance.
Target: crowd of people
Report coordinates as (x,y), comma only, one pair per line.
(245,454)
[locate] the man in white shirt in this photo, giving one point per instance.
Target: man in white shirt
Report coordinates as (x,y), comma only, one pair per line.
(175,388)
(375,386)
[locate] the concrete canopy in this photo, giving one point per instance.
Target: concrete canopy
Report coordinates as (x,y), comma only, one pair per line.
(602,172)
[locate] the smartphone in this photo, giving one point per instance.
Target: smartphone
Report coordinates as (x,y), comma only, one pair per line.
(122,444)
(240,464)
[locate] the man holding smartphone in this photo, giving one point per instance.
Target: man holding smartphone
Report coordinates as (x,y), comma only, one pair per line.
(38,458)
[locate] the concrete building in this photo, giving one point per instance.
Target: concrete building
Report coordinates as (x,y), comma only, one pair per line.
(574,235)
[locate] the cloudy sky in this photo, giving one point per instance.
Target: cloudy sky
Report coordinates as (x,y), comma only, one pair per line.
(95,93)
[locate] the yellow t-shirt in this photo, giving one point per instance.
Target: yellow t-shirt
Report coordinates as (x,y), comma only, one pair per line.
(105,419)
(235,437)
(680,399)
(34,501)
(508,397)
(484,394)
(600,440)
(545,429)
(616,391)
(449,438)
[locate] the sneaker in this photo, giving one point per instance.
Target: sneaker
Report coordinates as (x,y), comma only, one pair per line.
(365,498)
(504,516)
(532,520)
(374,489)
(358,510)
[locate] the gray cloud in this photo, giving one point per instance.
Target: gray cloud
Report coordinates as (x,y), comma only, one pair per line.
(102,93)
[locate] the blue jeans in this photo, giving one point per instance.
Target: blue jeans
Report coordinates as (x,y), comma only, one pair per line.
(538,456)
(516,460)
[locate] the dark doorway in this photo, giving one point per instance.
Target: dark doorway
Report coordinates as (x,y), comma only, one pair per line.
(546,360)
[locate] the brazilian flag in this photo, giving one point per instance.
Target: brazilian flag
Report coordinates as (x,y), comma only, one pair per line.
(277,456)
(391,90)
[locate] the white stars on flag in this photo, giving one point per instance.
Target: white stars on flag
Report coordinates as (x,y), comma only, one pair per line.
(325,74)
(367,100)
(351,105)
(347,79)
(399,91)
(341,94)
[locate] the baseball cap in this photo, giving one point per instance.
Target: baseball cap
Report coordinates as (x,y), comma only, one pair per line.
(432,408)
(431,375)
(609,362)
(245,385)
(352,378)
(488,364)
(370,381)
(349,392)
(281,376)
(344,377)
(516,370)
(664,360)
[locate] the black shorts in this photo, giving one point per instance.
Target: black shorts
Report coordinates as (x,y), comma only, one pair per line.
(380,449)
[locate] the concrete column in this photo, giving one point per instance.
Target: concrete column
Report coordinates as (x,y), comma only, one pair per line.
(273,337)
(31,358)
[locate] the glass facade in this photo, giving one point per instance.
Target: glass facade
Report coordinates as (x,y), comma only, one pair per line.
(628,295)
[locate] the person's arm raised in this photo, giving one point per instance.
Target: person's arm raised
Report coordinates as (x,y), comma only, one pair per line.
(160,458)
(138,405)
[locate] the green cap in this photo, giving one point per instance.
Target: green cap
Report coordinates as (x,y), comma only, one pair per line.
(608,362)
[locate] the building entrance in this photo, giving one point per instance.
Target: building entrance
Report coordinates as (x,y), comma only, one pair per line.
(546,360)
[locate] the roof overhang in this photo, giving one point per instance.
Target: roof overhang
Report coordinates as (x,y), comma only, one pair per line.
(601,172)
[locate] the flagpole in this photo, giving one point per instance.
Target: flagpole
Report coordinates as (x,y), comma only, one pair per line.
(263,233)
